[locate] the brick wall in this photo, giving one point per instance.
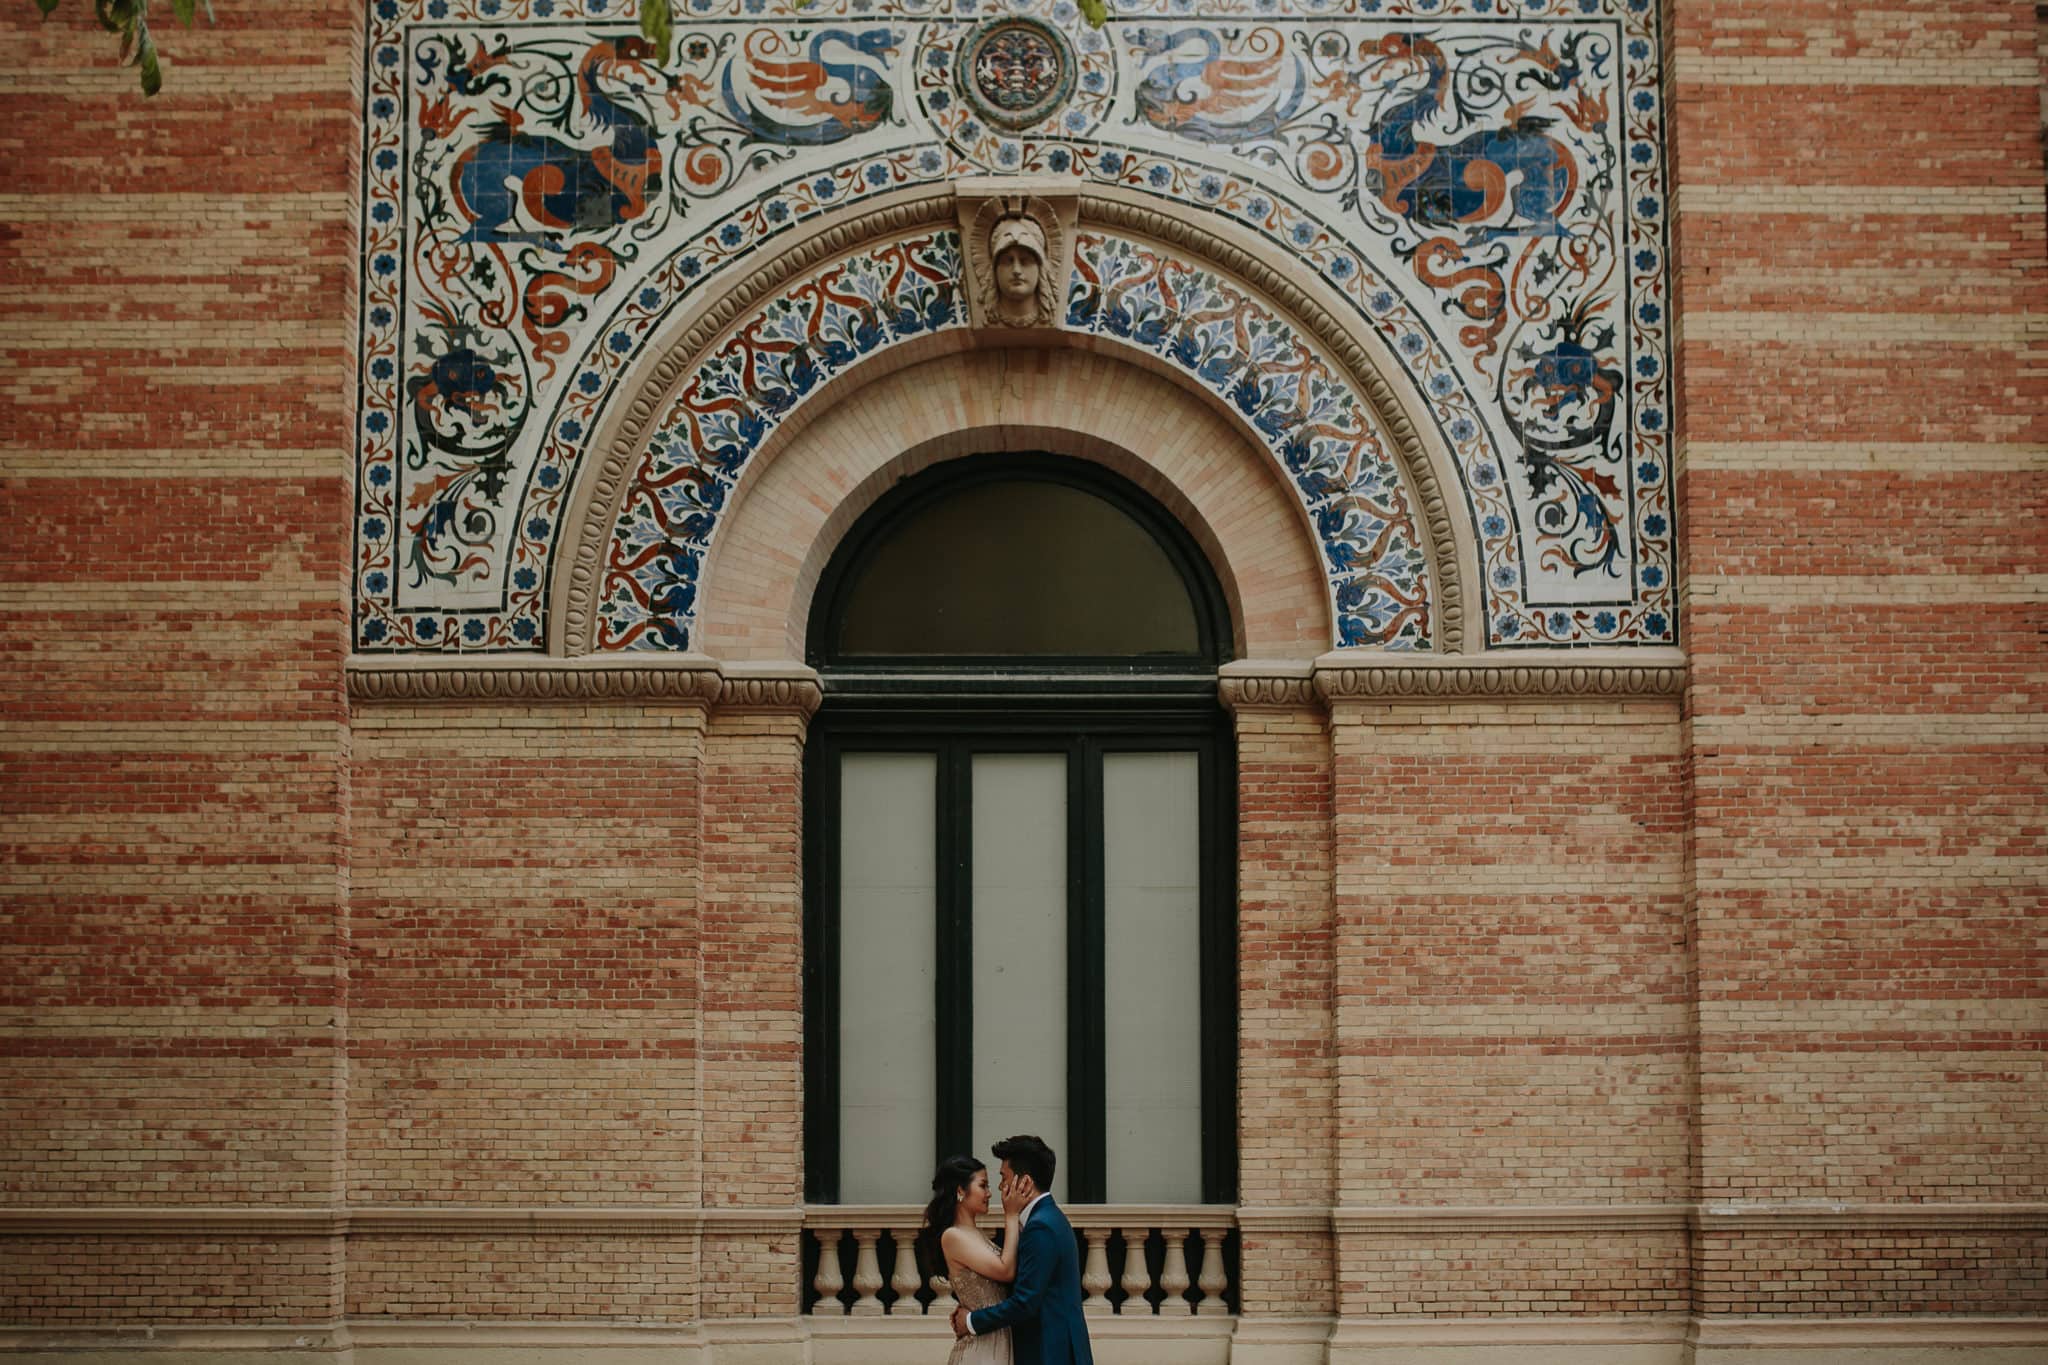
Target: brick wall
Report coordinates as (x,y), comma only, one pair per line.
(175,365)
(263,955)
(1862,268)
(1287,1150)
(1512,1024)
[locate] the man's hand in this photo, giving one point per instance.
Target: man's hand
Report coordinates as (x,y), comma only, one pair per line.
(960,1321)
(1017,1191)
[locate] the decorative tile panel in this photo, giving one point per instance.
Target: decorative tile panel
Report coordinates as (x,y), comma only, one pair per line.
(855,309)
(1316,428)
(543,191)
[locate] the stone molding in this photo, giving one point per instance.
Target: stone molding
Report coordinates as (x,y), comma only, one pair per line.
(1748,1219)
(1591,1329)
(1267,685)
(775,686)
(682,677)
(1815,1217)
(1926,1331)
(454,1220)
(1342,675)
(772,687)
(657,1220)
(1256,1221)
(1362,675)
(1430,1220)
(341,1335)
(1610,674)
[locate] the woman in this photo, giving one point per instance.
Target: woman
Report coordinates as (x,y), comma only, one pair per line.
(976,1269)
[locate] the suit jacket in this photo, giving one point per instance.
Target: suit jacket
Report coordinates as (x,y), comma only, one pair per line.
(1043,1311)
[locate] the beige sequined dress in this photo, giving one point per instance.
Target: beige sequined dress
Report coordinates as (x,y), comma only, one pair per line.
(977,1293)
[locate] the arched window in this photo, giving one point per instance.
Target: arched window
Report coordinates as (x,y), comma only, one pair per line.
(1019,886)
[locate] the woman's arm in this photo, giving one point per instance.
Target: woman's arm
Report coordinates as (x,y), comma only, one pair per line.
(1007,1272)
(972,1250)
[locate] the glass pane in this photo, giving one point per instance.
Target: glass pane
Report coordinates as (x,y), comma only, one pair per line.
(1020,948)
(1152,1073)
(888,925)
(1018,567)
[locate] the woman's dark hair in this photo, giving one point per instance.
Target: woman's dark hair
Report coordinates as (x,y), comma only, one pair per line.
(955,1174)
(1030,1156)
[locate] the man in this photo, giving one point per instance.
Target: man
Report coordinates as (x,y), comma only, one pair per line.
(1043,1311)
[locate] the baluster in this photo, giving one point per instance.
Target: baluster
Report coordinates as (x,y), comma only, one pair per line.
(1135,1281)
(1095,1273)
(946,1302)
(829,1281)
(1214,1280)
(1173,1275)
(905,1279)
(867,1275)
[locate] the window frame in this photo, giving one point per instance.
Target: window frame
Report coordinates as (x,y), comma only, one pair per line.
(914,495)
(1085,735)
(1083,705)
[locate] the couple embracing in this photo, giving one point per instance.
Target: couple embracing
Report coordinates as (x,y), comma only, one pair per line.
(1021,1302)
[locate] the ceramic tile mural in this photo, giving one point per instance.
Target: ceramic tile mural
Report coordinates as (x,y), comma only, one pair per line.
(852,310)
(1482,184)
(1316,427)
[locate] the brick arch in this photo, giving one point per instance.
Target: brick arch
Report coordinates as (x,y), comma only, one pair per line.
(1287,391)
(760,577)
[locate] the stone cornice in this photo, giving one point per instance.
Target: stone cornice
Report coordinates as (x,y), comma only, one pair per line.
(1277,1221)
(774,686)
(1276,684)
(1607,674)
(663,1221)
(1344,675)
(1822,1216)
(682,677)
(1747,1219)
(464,1220)
(1919,1331)
(790,687)
(1431,1220)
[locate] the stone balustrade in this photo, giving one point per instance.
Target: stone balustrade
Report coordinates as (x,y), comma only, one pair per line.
(1137,1260)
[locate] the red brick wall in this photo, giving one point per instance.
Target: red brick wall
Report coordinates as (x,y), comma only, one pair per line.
(1512,1022)
(214,879)
(1862,274)
(173,803)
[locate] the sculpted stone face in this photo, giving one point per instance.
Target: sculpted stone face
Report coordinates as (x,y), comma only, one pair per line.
(1017,252)
(1017,271)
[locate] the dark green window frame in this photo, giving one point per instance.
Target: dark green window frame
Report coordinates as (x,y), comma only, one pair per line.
(1084,708)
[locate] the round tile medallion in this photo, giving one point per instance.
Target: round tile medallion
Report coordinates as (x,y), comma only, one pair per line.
(1015,71)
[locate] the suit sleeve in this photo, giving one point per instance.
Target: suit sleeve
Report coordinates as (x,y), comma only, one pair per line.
(1036,1257)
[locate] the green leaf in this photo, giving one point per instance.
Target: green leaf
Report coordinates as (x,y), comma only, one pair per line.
(48,7)
(656,24)
(152,72)
(1096,12)
(185,10)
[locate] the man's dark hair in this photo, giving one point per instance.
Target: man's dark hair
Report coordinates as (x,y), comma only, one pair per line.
(1030,1156)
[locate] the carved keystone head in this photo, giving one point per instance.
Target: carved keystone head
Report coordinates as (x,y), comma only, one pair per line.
(1018,248)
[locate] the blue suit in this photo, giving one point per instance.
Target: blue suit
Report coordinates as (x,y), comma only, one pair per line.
(1043,1311)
